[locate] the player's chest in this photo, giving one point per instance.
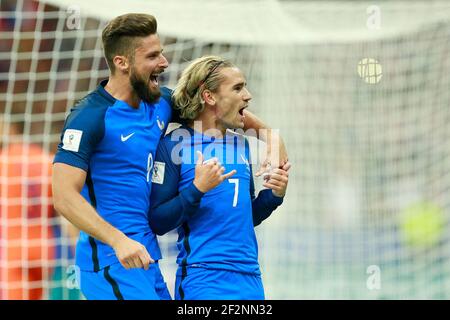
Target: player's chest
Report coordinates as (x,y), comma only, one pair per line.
(133,134)
(242,176)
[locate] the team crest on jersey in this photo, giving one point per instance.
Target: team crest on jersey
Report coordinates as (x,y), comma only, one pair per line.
(72,140)
(161,124)
(158,172)
(245,160)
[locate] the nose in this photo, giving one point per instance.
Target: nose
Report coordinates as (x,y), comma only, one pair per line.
(163,63)
(247,95)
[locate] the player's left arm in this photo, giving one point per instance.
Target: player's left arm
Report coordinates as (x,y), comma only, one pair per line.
(269,199)
(167,208)
(276,149)
(276,156)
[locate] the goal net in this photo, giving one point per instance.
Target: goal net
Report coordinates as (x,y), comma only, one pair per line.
(359,92)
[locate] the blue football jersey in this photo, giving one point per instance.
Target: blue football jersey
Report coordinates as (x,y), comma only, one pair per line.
(115,144)
(216,229)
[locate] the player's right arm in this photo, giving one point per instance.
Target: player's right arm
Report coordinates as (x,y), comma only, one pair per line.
(67,182)
(170,208)
(83,130)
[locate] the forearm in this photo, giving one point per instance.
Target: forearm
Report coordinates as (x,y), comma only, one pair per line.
(172,213)
(167,216)
(264,205)
(276,149)
(70,231)
(251,121)
(262,130)
(83,216)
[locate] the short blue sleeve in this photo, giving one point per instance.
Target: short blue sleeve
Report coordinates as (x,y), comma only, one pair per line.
(83,130)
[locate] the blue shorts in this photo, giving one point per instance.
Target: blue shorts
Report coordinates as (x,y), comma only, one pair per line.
(214,284)
(114,282)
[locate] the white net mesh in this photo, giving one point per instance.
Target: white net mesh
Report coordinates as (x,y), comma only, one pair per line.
(359,92)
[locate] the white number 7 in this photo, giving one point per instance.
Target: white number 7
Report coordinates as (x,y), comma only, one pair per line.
(236,190)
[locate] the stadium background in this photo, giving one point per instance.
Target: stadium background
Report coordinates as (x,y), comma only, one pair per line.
(358,89)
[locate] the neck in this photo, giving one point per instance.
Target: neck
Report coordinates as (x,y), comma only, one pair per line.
(208,124)
(120,88)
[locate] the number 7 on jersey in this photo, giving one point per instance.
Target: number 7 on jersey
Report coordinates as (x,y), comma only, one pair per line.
(236,190)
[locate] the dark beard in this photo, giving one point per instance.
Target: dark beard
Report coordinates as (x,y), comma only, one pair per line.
(142,90)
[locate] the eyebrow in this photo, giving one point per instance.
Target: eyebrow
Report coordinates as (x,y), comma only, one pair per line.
(241,83)
(151,53)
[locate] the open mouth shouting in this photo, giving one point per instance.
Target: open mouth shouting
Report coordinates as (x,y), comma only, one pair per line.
(153,80)
(241,110)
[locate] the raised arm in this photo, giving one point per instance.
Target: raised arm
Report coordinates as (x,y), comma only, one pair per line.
(276,156)
(170,208)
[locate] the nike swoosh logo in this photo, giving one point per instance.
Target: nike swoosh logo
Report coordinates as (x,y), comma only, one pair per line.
(127,137)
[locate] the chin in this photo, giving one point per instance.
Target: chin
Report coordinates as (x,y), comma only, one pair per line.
(153,95)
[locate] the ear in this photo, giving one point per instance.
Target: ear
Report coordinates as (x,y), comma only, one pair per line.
(208,97)
(121,63)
